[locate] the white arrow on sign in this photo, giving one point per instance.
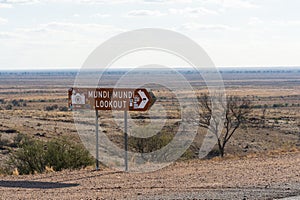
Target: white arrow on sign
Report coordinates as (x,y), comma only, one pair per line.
(144,99)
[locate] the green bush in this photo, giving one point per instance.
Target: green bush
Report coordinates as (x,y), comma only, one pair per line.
(8,107)
(63,108)
(34,155)
(146,145)
(278,105)
(19,139)
(63,154)
(3,142)
(188,154)
(30,157)
(52,107)
(2,170)
(15,102)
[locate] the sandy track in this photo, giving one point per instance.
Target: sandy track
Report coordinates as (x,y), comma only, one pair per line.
(256,177)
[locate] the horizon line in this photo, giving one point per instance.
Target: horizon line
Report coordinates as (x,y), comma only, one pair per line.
(124,68)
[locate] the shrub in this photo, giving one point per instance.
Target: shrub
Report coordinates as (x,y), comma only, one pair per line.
(188,154)
(3,142)
(15,102)
(152,144)
(34,155)
(63,108)
(278,105)
(29,158)
(257,106)
(146,145)
(63,154)
(8,107)
(49,108)
(19,139)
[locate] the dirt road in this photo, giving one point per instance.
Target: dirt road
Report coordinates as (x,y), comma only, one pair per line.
(255,177)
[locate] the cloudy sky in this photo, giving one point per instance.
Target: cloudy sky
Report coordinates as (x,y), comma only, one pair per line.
(41,34)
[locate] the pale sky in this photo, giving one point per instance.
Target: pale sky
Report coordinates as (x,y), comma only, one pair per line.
(43,34)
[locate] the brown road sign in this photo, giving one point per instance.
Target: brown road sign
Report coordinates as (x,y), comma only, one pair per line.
(111,99)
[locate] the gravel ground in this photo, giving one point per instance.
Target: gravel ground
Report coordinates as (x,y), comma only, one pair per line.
(254,177)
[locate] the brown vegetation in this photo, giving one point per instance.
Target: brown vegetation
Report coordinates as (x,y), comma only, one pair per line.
(35,105)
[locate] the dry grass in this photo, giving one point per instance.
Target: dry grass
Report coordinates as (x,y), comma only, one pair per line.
(281,129)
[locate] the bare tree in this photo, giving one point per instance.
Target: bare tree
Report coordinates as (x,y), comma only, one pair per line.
(235,111)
